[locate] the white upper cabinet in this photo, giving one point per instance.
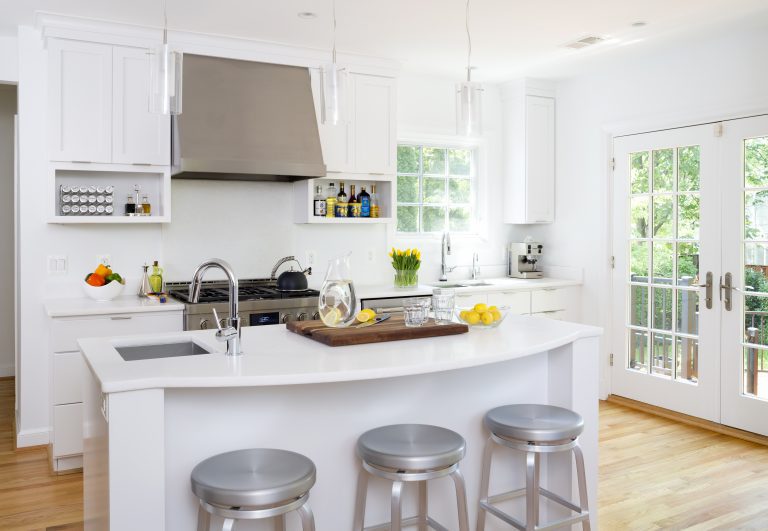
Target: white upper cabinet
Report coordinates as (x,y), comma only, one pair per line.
(529,139)
(374,117)
(80,101)
(139,137)
(99,108)
(367,141)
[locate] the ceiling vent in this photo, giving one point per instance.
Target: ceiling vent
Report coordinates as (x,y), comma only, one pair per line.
(584,42)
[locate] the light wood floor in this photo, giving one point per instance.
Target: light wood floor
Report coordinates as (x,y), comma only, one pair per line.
(31,498)
(655,473)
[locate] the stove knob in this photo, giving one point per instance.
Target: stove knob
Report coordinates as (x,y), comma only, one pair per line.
(203,324)
(303,316)
(316,316)
(287,317)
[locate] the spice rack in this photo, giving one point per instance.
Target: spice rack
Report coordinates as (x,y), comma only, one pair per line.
(154,182)
(304,193)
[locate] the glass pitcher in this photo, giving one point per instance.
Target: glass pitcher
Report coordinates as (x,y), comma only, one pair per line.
(338,302)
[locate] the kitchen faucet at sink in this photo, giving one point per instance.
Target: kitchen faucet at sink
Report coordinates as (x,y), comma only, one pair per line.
(445,249)
(230,333)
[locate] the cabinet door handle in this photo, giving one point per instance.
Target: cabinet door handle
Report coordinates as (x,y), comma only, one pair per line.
(548,289)
(81,162)
(141,163)
(121,318)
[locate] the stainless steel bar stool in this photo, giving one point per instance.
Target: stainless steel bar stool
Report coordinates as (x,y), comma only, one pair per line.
(254,484)
(405,453)
(535,430)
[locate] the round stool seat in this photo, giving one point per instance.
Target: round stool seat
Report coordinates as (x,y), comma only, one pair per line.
(411,447)
(253,477)
(534,422)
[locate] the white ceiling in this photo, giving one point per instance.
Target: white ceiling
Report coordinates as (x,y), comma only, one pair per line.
(510,37)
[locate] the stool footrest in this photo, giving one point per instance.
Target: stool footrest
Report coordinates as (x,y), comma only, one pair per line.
(487,504)
(408,522)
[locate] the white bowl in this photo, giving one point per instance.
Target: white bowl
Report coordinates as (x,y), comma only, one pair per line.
(104,293)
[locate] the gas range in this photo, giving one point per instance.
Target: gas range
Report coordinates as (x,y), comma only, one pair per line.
(261,303)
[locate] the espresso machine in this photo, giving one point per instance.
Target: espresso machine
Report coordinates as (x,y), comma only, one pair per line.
(523,260)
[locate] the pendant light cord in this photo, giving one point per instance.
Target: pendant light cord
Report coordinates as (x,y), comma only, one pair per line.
(334,31)
(469,45)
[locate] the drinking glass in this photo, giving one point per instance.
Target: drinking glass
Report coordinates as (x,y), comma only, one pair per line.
(416,311)
(443,302)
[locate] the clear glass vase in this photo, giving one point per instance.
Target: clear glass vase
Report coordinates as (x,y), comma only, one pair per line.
(338,302)
(406,278)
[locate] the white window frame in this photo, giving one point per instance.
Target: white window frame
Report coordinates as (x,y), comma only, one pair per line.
(478,197)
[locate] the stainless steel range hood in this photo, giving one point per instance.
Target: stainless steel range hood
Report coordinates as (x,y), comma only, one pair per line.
(244,120)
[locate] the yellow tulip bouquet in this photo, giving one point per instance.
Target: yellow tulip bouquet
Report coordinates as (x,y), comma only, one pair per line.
(406,264)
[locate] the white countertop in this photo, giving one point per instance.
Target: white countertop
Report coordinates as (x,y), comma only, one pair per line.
(74,307)
(385,291)
(275,356)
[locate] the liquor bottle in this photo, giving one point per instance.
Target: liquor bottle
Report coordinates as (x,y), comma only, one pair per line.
(330,201)
(130,206)
(374,202)
(365,203)
(353,211)
(341,202)
(319,201)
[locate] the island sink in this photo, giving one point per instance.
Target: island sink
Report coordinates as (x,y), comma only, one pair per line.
(164,350)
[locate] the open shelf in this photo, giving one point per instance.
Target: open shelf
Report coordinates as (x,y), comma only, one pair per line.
(304,194)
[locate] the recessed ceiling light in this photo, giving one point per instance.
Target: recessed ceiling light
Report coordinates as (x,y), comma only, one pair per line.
(639,24)
(307,14)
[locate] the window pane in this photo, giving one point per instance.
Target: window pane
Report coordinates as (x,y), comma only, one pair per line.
(688,217)
(459,219)
(662,308)
(459,190)
(688,169)
(687,354)
(638,262)
(407,189)
(638,310)
(663,222)
(638,172)
(688,312)
(755,267)
(756,215)
(434,190)
(687,263)
(434,160)
(756,320)
(408,159)
(407,219)
(638,350)
(663,173)
(639,217)
(662,262)
(756,161)
(755,363)
(434,219)
(663,353)
(459,161)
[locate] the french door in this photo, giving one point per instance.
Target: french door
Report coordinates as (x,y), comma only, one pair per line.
(690,233)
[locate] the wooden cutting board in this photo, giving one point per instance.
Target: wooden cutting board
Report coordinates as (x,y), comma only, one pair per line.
(393,329)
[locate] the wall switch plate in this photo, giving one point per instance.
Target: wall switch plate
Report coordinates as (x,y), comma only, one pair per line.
(57,264)
(104,259)
(310,258)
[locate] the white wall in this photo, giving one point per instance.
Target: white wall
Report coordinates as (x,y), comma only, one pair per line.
(695,81)
(7,333)
(9,59)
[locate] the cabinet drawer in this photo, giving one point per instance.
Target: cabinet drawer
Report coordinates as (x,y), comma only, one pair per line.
(464,300)
(518,302)
(547,300)
(66,332)
(67,429)
(67,378)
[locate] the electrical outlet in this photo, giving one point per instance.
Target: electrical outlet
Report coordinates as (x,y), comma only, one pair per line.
(104,259)
(57,264)
(371,255)
(310,258)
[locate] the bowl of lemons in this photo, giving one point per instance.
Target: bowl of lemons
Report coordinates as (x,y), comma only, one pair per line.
(481,315)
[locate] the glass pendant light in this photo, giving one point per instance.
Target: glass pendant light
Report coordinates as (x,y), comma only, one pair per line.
(469,96)
(334,86)
(165,75)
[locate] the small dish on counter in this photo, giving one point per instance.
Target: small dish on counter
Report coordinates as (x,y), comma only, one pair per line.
(481,316)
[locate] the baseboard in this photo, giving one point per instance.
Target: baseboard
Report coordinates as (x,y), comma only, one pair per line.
(7,371)
(688,419)
(26,438)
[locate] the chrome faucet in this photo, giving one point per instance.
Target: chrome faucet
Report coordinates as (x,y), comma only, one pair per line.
(475,266)
(445,251)
(231,333)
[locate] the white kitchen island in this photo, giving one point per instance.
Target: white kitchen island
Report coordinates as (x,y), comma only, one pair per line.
(148,423)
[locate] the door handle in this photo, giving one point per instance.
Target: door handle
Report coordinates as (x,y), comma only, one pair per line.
(708,294)
(729,288)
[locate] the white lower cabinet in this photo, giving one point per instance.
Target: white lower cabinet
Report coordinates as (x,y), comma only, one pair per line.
(465,300)
(555,303)
(517,302)
(68,366)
